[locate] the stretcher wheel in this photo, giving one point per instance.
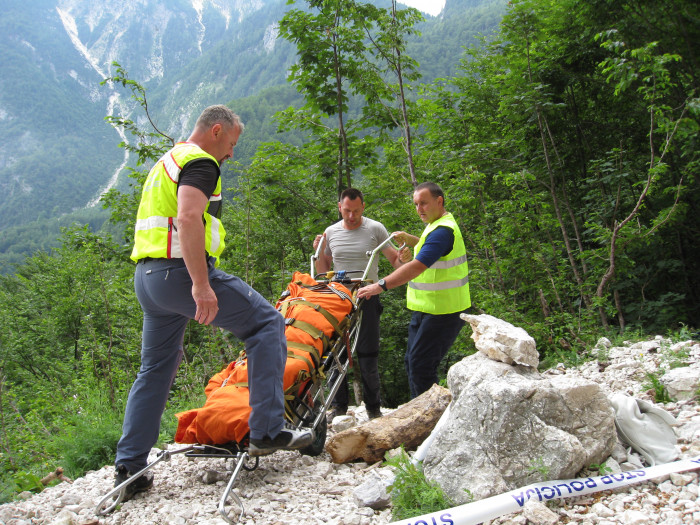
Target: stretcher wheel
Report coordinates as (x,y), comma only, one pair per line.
(319,443)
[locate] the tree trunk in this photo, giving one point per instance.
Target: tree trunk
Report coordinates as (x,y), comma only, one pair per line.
(408,425)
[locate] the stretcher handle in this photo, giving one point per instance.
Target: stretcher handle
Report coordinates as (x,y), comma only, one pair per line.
(390,241)
(315,256)
(371,254)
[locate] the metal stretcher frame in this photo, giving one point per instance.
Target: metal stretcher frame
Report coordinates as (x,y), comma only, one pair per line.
(308,410)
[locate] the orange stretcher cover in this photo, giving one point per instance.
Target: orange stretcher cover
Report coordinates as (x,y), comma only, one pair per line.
(314,315)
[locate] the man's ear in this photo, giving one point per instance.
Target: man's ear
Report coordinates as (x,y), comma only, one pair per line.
(216,130)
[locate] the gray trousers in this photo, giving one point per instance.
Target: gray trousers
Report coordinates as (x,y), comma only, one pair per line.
(164,289)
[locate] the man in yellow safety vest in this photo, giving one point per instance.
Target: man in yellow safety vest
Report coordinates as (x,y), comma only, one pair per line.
(177,243)
(438,286)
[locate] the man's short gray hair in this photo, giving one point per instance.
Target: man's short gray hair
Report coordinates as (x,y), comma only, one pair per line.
(219,114)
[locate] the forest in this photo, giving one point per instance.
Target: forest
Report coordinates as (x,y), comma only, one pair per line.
(566,145)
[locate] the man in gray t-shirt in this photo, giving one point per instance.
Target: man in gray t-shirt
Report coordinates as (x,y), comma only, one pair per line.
(347,244)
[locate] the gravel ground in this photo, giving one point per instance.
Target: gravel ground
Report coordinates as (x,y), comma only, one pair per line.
(290,489)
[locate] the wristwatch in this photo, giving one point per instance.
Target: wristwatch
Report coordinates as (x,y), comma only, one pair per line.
(382,283)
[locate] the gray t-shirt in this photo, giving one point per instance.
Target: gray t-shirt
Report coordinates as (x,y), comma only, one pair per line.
(349,247)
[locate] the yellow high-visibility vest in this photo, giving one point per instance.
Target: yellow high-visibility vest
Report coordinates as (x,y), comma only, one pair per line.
(443,288)
(156,233)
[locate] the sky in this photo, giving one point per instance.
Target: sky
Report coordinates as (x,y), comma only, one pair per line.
(432,7)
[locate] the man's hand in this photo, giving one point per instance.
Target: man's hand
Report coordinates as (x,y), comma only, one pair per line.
(191,203)
(368,291)
(317,240)
(400,237)
(207,303)
(405,254)
(405,238)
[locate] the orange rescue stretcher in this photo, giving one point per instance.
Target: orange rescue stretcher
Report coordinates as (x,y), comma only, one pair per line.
(323,319)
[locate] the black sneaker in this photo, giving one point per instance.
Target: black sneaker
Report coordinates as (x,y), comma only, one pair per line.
(374,413)
(287,439)
(140,484)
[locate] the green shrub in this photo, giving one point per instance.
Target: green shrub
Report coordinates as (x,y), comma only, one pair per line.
(684,333)
(90,447)
(91,430)
(411,493)
(661,394)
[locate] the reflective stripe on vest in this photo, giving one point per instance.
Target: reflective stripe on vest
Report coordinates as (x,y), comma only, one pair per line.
(156,232)
(444,265)
(443,287)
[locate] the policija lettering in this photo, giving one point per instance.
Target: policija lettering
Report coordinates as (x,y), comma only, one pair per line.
(548,492)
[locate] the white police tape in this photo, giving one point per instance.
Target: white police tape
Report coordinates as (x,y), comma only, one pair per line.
(490,508)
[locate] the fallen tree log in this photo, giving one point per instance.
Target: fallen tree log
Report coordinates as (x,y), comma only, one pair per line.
(409,425)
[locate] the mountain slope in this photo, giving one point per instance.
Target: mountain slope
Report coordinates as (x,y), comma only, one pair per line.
(53,134)
(55,147)
(52,105)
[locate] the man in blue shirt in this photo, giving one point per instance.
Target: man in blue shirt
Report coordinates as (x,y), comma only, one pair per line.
(438,287)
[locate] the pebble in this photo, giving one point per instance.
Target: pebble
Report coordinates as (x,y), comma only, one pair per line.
(290,489)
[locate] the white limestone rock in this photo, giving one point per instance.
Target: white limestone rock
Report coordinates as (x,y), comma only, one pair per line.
(501,341)
(683,382)
(508,425)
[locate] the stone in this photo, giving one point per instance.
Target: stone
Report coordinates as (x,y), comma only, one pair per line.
(509,426)
(65,517)
(603,342)
(212,476)
(70,499)
(374,492)
(682,383)
(635,517)
(612,466)
(681,479)
(619,453)
(647,346)
(341,423)
(601,510)
(501,341)
(537,513)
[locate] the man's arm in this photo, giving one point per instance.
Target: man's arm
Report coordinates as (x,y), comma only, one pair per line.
(324,261)
(438,243)
(191,203)
(400,276)
(392,254)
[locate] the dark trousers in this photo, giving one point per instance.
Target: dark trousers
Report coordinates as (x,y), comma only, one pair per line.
(367,357)
(429,338)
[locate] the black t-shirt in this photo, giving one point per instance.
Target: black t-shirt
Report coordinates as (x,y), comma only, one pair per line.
(202,174)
